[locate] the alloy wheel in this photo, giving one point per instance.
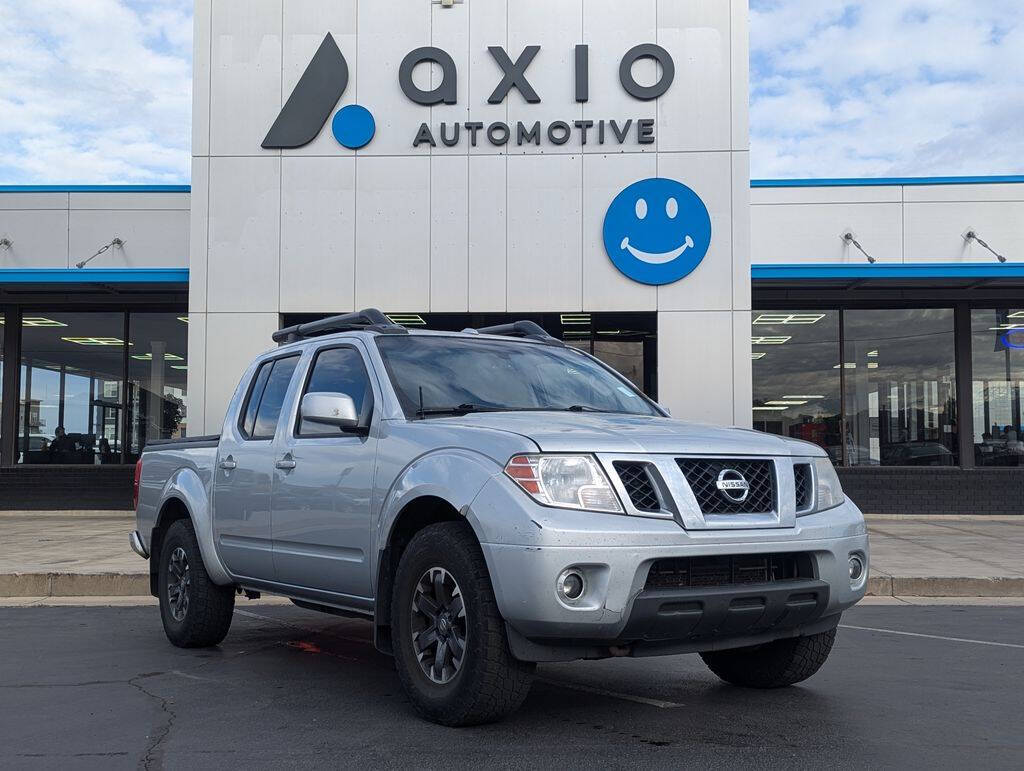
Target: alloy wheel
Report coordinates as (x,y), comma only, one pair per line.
(179,582)
(438,625)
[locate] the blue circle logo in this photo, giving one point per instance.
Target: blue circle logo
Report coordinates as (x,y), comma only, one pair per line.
(657,231)
(353,126)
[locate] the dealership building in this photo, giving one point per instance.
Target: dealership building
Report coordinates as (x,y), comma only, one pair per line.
(459,164)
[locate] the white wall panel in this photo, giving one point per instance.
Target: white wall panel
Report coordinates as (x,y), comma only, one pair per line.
(604,287)
(232,341)
(544,232)
(245,74)
(986,192)
(451,32)
(551,72)
(695,365)
(488,225)
(388,30)
(488,26)
(318,232)
(740,230)
(245,232)
(306,23)
(198,232)
(710,286)
(742,372)
(609,33)
(393,233)
(129,201)
(152,239)
(934,231)
(449,233)
(195,397)
(827,194)
(33,201)
(810,232)
(695,112)
(39,239)
(201,37)
(739,54)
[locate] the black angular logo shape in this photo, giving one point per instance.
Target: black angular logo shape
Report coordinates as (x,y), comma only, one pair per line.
(311,102)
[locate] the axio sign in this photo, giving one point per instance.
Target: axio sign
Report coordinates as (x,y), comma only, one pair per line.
(326,77)
(656,231)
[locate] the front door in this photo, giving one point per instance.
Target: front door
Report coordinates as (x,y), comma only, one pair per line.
(322,484)
(243,474)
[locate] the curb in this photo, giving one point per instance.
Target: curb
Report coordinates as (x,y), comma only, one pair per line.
(74,584)
(137,584)
(935,586)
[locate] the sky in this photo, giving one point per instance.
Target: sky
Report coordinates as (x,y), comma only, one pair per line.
(99,91)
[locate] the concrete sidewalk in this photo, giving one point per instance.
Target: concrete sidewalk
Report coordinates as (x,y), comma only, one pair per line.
(72,554)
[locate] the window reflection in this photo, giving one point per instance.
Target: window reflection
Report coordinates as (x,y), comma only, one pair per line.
(997,365)
(796,380)
(157,372)
(72,370)
(900,387)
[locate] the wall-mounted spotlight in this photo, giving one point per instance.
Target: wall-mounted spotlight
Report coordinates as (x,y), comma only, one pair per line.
(6,243)
(970,235)
(849,237)
(116,242)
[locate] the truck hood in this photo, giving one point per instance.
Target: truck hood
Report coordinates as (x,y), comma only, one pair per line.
(591,432)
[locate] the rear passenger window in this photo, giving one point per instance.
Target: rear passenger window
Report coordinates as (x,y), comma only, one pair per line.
(338,370)
(266,397)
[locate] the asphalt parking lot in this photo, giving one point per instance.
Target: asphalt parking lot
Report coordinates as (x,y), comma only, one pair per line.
(100,687)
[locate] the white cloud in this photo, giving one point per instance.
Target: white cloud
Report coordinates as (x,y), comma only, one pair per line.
(95,92)
(886,87)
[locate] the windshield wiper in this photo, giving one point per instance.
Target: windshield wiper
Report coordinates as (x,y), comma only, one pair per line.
(461,409)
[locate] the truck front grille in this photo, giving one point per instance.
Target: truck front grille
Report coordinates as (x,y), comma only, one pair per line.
(802,478)
(702,475)
(686,572)
(637,481)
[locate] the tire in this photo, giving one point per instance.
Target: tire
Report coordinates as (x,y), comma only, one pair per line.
(772,665)
(487,682)
(203,617)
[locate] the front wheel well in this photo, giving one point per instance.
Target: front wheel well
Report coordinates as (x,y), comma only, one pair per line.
(172,510)
(416,515)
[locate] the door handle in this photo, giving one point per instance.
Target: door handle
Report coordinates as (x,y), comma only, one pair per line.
(285,463)
(228,464)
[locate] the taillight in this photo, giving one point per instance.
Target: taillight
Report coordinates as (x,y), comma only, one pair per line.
(135,484)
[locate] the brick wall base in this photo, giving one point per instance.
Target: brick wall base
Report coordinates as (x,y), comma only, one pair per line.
(46,488)
(902,490)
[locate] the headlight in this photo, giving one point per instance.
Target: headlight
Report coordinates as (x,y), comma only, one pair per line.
(567,481)
(829,493)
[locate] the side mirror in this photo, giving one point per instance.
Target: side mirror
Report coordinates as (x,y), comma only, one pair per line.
(329,409)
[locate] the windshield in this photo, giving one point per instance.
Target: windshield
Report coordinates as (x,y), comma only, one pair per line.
(459,374)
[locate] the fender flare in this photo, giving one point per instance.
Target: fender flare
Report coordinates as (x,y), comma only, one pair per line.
(186,486)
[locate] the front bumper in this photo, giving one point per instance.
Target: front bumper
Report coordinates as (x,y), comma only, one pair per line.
(617,615)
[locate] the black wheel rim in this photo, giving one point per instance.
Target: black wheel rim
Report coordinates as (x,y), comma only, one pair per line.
(179,581)
(438,625)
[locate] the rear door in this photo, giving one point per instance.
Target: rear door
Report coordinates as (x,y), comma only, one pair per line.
(243,475)
(323,483)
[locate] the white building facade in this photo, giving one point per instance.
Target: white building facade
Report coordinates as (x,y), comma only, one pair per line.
(583,164)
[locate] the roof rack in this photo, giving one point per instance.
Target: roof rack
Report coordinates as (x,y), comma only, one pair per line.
(370,319)
(526,329)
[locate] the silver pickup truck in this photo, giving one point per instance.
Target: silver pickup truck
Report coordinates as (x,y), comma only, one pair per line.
(491,499)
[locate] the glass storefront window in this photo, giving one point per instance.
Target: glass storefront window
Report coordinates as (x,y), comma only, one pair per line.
(157,371)
(72,371)
(796,378)
(900,387)
(997,366)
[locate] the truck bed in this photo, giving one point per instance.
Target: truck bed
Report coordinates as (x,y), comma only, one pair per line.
(188,443)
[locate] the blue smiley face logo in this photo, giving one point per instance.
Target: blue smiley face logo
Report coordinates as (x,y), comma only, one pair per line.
(657,231)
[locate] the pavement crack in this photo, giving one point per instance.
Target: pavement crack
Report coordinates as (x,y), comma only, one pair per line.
(153,757)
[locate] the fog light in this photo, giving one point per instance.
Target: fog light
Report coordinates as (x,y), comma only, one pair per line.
(571,585)
(856,567)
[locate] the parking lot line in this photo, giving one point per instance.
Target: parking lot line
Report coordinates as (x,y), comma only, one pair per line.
(931,636)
